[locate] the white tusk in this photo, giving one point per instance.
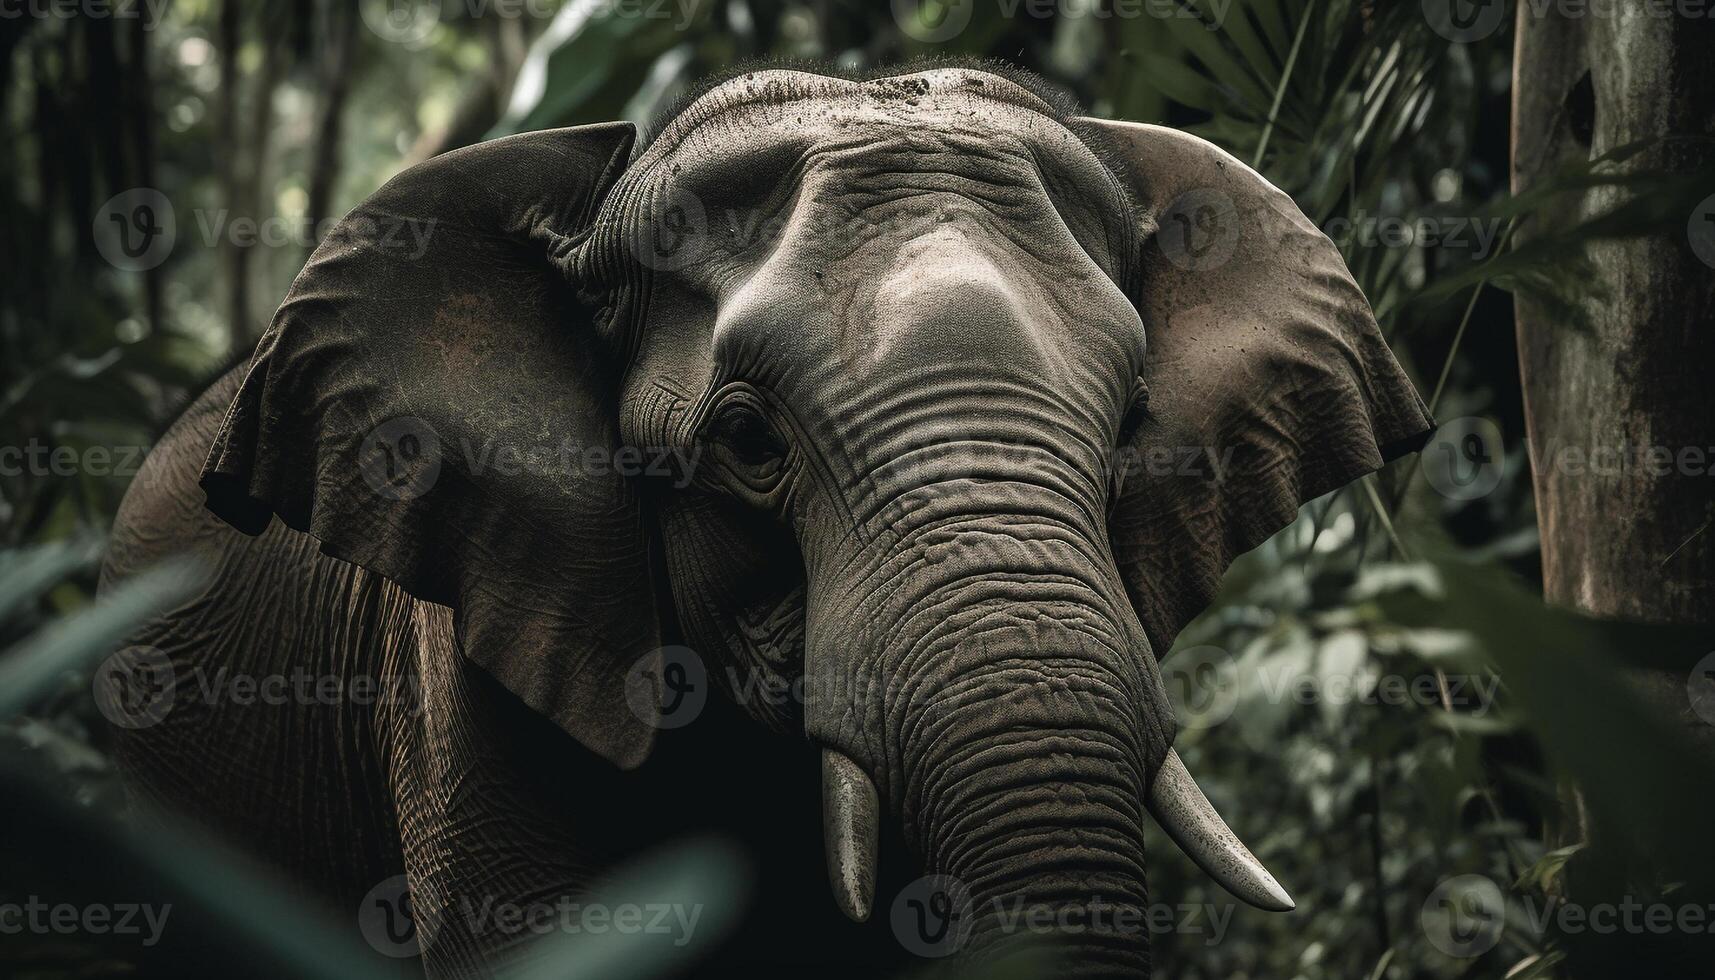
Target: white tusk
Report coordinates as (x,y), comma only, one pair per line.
(1186,814)
(851,823)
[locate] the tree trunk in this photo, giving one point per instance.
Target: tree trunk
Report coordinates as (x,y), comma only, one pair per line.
(245,162)
(140,111)
(1624,534)
(230,35)
(337,37)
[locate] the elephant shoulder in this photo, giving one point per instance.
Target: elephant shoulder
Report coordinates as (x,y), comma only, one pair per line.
(273,628)
(162,513)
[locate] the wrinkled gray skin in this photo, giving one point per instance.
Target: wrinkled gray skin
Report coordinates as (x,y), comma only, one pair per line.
(945,427)
(902,397)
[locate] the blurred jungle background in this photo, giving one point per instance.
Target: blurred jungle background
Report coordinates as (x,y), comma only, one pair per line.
(1434,760)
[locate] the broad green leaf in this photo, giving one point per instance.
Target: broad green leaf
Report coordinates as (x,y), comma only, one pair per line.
(705,878)
(26,575)
(35,664)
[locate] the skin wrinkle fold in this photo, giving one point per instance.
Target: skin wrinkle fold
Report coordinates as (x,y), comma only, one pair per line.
(1110,185)
(761,90)
(964,750)
(997,666)
(894,539)
(916,658)
(1025,577)
(881,470)
(889,513)
(885,467)
(1051,777)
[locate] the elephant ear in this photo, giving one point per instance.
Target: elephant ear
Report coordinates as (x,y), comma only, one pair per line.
(1268,381)
(432,403)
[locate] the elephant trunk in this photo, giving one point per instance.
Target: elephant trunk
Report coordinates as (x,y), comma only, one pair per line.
(996,695)
(1009,726)
(1027,798)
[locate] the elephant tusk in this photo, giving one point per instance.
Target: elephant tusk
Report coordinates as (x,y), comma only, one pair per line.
(851,823)
(1186,814)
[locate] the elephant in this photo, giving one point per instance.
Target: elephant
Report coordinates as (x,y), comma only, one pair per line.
(917,394)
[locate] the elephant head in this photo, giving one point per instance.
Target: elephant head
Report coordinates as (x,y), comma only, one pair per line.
(922,388)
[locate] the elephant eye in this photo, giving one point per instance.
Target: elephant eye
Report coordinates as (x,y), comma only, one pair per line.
(743,430)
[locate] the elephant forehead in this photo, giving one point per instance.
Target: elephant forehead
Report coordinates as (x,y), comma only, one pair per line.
(984,304)
(754,133)
(947,215)
(805,97)
(763,157)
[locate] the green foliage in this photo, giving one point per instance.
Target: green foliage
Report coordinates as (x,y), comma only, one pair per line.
(223,899)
